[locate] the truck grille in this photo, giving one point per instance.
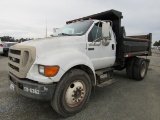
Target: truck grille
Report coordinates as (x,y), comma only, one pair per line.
(21,59)
(14,59)
(17,52)
(14,67)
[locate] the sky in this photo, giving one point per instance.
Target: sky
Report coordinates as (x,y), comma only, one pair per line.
(27,18)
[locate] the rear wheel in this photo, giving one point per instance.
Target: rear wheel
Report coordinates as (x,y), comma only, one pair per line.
(140,69)
(72,93)
(129,67)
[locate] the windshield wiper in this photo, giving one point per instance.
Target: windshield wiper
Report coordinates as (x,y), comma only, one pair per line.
(76,34)
(65,34)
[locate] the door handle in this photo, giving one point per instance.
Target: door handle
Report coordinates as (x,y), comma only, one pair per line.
(90,48)
(112,46)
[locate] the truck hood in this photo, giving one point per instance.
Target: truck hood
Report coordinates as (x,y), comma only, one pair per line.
(47,46)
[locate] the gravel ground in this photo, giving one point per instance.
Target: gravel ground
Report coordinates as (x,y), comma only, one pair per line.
(125,100)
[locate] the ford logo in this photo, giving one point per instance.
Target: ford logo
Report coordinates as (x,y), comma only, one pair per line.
(13,59)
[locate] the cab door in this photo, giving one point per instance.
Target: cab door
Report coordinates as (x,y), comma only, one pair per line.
(100,55)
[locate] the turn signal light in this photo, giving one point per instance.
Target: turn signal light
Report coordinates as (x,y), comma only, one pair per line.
(51,71)
(48,71)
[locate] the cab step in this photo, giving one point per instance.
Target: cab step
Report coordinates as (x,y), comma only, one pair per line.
(105,77)
(104,71)
(106,83)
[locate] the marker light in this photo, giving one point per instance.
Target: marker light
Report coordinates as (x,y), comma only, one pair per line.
(48,71)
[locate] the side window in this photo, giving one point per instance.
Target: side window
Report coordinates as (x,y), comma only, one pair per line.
(95,33)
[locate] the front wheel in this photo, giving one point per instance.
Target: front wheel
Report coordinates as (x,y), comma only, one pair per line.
(72,93)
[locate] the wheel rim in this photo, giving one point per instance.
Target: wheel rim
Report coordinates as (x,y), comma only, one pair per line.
(143,69)
(75,93)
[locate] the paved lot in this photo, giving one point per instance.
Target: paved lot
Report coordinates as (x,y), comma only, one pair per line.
(125,100)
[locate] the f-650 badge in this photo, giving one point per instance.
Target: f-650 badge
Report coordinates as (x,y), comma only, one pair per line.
(13,59)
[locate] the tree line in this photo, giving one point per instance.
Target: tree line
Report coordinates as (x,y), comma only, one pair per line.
(157,43)
(12,39)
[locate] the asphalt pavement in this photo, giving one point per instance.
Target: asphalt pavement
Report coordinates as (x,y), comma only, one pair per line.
(124,100)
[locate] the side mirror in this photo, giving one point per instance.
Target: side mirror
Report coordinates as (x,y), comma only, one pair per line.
(55,31)
(105,30)
(105,33)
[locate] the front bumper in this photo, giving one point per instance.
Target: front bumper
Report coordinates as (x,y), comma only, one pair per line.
(31,89)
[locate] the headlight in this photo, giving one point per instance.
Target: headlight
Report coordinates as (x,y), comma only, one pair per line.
(48,71)
(41,69)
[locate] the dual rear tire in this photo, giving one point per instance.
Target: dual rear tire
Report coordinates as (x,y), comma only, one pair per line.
(137,68)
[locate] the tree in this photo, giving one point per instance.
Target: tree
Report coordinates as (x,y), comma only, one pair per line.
(11,39)
(157,43)
(7,39)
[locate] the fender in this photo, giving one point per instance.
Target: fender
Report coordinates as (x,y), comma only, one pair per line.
(65,60)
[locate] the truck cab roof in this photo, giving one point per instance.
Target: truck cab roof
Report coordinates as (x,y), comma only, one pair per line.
(107,15)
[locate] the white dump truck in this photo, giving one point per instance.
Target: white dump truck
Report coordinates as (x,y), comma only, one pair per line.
(64,69)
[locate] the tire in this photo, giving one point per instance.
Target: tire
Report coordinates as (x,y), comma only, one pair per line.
(140,69)
(72,93)
(129,67)
(147,61)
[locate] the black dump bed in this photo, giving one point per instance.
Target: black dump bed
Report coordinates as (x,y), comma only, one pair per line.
(136,45)
(126,46)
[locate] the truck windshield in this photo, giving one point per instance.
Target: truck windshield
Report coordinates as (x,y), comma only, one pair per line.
(78,28)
